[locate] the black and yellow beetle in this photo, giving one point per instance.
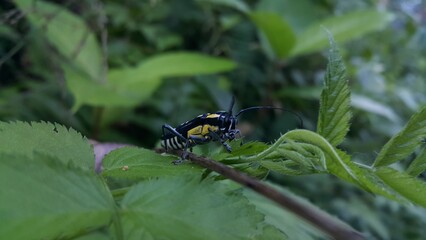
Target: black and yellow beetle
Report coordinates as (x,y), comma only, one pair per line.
(219,126)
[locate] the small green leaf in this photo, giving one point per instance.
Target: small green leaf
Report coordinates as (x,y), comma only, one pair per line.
(408,186)
(68,33)
(66,145)
(405,142)
(418,165)
(41,198)
(345,27)
(132,162)
(276,30)
(184,208)
(334,113)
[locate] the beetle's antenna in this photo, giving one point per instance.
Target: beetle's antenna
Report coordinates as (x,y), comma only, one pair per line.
(270,107)
(232,105)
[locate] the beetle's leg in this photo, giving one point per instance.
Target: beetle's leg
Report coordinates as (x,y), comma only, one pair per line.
(195,140)
(222,140)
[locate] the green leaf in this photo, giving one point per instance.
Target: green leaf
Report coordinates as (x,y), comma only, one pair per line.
(408,186)
(132,162)
(86,91)
(181,64)
(299,14)
(288,223)
(418,165)
(336,161)
(236,4)
(68,33)
(344,28)
(66,145)
(405,142)
(41,198)
(334,113)
(184,208)
(367,104)
(276,30)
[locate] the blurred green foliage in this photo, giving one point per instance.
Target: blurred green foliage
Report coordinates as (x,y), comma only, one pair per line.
(116,71)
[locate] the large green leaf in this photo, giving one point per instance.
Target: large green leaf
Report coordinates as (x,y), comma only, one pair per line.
(68,33)
(129,86)
(184,208)
(408,186)
(66,145)
(288,223)
(236,4)
(334,113)
(299,14)
(86,91)
(405,142)
(345,27)
(42,198)
(279,34)
(132,162)
(181,64)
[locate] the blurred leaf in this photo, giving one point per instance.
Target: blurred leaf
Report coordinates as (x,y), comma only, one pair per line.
(310,93)
(86,91)
(41,198)
(132,162)
(372,106)
(408,186)
(187,209)
(8,32)
(236,4)
(299,14)
(68,33)
(66,145)
(279,34)
(134,84)
(405,142)
(419,164)
(334,112)
(94,236)
(344,28)
(181,64)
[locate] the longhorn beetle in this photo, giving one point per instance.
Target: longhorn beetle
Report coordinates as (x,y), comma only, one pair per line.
(219,126)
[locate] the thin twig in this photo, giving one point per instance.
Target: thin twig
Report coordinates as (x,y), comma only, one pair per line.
(322,221)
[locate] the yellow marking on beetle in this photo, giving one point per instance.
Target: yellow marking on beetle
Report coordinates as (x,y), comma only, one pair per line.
(202,130)
(212,115)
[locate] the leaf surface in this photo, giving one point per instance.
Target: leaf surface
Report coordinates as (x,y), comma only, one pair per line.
(408,186)
(334,113)
(277,31)
(187,209)
(68,33)
(42,198)
(67,145)
(132,162)
(344,28)
(405,142)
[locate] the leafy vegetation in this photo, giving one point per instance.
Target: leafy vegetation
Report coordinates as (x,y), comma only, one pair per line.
(116,72)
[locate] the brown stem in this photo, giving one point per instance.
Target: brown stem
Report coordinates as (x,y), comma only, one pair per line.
(321,220)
